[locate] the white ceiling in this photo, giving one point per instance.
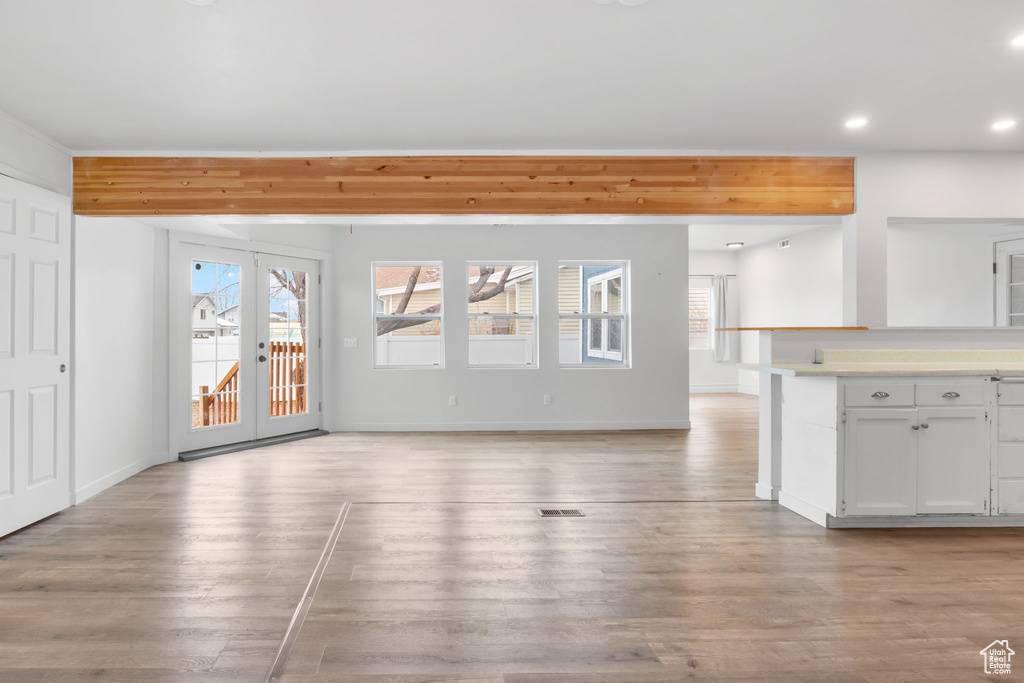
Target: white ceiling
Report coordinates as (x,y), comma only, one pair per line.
(506,75)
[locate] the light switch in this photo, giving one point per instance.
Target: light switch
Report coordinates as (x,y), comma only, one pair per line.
(351,342)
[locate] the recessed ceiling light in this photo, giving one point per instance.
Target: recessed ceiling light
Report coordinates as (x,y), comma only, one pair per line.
(857,122)
(734,245)
(1004,124)
(1018,41)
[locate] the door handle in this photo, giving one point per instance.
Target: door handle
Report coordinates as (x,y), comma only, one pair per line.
(263,359)
(915,427)
(951,394)
(924,425)
(880,394)
(63,368)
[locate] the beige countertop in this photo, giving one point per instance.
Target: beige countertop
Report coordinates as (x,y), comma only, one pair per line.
(902,362)
(892,369)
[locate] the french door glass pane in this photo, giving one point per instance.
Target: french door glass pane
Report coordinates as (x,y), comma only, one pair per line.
(215,351)
(1017,269)
(1016,299)
(287,334)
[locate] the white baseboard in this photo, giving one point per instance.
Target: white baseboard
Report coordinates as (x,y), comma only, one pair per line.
(713,389)
(748,389)
(505,426)
(765,491)
(805,509)
(104,483)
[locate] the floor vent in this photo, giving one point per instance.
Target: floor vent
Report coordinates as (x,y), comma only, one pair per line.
(560,513)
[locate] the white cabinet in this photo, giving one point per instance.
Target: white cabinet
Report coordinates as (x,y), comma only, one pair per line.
(924,459)
(881,461)
(952,461)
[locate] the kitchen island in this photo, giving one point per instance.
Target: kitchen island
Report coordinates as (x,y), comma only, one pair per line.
(899,437)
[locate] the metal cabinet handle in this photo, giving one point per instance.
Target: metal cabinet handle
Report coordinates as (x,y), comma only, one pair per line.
(924,425)
(915,427)
(880,394)
(951,394)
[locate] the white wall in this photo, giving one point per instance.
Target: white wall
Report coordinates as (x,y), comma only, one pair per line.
(115,377)
(29,156)
(707,375)
(652,393)
(941,275)
(798,286)
(961,186)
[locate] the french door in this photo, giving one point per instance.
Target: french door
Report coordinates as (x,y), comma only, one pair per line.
(249,335)
(35,351)
(1010,283)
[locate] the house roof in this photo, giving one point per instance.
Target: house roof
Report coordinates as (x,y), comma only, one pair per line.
(198,299)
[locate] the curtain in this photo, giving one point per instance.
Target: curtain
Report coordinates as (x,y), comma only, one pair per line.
(719,318)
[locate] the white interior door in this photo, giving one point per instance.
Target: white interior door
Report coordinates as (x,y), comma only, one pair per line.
(288,343)
(1010,283)
(216,396)
(35,350)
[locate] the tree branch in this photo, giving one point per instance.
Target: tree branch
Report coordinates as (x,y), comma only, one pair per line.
(494,291)
(409,288)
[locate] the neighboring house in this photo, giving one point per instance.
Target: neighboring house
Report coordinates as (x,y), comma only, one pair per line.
(207,322)
(204,316)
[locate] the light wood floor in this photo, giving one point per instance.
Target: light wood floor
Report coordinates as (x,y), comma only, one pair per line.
(444,572)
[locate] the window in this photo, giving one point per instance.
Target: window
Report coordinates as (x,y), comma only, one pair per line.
(502,323)
(202,314)
(700,312)
(407,315)
(592,313)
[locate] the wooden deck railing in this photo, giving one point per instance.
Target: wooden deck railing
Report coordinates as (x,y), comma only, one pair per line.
(287,361)
(221,406)
(287,378)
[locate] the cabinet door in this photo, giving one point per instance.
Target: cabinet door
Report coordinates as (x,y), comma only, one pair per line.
(880,470)
(953,461)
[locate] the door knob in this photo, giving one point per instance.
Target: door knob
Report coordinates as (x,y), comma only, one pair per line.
(915,427)
(63,368)
(262,345)
(924,425)
(263,359)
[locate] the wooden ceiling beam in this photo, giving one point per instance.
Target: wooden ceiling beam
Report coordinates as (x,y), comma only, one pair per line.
(184,186)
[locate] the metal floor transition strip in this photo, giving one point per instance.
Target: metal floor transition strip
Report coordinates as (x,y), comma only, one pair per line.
(189,456)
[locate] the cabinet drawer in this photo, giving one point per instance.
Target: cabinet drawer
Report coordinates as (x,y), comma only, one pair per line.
(1011,393)
(951,394)
(880,394)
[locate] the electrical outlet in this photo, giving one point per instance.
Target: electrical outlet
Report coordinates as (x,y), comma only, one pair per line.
(547,399)
(453,400)
(351,342)
(784,244)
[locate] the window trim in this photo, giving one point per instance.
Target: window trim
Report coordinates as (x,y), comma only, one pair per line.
(621,358)
(709,288)
(376,315)
(470,316)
